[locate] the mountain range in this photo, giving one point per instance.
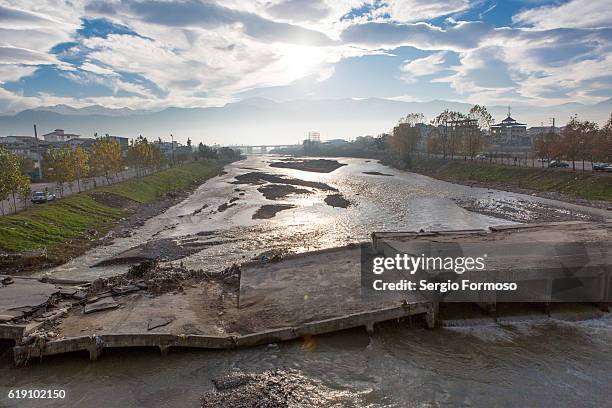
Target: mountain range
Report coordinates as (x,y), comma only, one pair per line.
(263,121)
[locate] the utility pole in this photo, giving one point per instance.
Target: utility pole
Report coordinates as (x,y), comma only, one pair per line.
(172,146)
(40,175)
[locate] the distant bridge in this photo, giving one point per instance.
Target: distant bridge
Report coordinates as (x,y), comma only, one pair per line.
(262,149)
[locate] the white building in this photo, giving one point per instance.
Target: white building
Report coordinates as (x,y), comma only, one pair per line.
(58,135)
(314,137)
(509,132)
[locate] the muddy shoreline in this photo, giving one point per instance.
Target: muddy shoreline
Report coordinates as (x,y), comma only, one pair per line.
(138,214)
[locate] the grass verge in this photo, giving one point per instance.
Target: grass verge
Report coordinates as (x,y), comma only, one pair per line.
(56,228)
(585,185)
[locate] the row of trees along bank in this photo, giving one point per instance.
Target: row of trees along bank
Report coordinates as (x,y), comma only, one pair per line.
(466,135)
(580,140)
(105,158)
(453,133)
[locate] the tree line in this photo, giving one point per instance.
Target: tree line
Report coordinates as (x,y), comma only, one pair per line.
(458,134)
(579,140)
(451,133)
(105,158)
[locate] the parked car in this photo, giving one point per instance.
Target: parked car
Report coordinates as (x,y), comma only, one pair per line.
(602,166)
(40,197)
(481,157)
(558,164)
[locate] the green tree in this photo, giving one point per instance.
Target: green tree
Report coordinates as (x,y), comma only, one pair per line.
(105,157)
(24,189)
(59,167)
(4,175)
(601,150)
(12,181)
(80,164)
(441,122)
(405,137)
(476,141)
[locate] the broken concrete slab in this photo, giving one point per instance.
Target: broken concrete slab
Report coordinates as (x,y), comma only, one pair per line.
(124,290)
(156,322)
(142,285)
(102,304)
(25,295)
(79,295)
(67,293)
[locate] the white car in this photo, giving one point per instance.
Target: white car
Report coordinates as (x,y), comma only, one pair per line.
(40,197)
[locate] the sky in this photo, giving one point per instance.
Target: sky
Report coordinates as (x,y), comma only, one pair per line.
(200,53)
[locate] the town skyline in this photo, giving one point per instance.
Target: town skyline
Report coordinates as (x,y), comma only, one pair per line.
(277,123)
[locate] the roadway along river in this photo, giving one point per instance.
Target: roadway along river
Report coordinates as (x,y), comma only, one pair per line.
(519,364)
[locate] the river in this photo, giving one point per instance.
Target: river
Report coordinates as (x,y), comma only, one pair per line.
(511,364)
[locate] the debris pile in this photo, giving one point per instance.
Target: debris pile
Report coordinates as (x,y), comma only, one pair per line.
(274,388)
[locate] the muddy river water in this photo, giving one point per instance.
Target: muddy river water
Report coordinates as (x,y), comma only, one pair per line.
(517,364)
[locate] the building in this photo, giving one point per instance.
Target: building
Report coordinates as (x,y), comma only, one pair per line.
(314,137)
(336,142)
(538,131)
(166,148)
(58,135)
(509,132)
(30,148)
(124,142)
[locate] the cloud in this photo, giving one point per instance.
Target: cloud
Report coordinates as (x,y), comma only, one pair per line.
(419,10)
(462,36)
(14,55)
(17,18)
(202,52)
(575,13)
(418,67)
(482,74)
(203,14)
(404,11)
(299,10)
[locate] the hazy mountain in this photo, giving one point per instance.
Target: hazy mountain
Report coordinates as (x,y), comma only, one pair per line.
(89,110)
(260,121)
